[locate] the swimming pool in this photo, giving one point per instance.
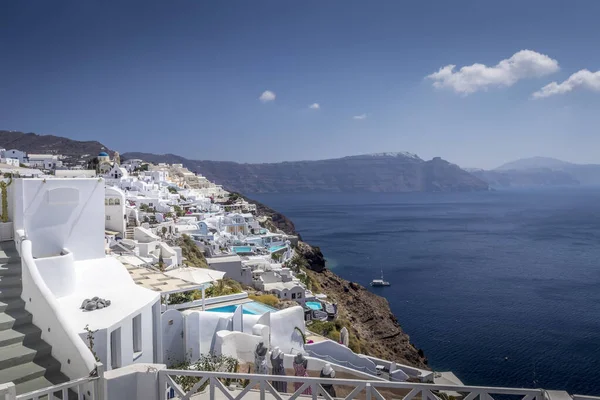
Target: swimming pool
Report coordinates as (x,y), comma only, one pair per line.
(273,249)
(242,249)
(314,305)
(251,308)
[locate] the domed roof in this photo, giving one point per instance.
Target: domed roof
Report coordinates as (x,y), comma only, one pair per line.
(102,154)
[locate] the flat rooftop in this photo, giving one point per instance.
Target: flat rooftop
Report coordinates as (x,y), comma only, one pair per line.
(159,282)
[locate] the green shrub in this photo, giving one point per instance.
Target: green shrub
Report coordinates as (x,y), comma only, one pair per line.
(209,363)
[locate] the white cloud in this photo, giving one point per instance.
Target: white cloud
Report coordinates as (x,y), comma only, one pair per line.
(361,116)
(581,79)
(472,78)
(314,106)
(267,96)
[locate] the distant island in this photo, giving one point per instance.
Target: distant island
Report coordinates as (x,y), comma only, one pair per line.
(540,171)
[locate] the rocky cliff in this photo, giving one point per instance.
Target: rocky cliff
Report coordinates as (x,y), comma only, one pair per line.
(385,172)
(367,316)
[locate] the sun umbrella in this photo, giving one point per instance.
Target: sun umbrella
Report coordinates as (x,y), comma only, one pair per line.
(196,275)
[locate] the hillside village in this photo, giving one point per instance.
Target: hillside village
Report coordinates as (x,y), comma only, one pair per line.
(123,279)
(134,263)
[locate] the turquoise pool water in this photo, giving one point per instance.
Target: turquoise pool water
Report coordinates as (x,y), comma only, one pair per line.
(242,249)
(252,308)
(273,249)
(314,305)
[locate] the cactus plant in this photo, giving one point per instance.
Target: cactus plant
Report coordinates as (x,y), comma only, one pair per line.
(3,188)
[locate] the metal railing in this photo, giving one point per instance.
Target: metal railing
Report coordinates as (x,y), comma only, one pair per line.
(211,384)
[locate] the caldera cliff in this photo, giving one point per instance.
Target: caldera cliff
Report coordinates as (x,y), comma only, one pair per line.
(367,316)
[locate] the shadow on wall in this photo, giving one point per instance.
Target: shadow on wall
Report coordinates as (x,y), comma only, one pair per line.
(63,214)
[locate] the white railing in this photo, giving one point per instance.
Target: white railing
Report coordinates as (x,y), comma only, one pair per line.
(83,388)
(89,388)
(211,384)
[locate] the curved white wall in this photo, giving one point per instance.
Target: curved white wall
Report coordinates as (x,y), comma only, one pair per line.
(68,348)
(62,213)
(332,351)
(58,273)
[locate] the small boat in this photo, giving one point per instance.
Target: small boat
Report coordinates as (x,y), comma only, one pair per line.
(380,282)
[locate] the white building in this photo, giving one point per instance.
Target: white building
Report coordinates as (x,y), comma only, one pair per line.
(114,211)
(44,161)
(131,165)
(14,153)
(61,243)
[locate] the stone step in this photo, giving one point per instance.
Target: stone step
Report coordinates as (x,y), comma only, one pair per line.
(8,255)
(28,371)
(10,269)
(16,354)
(14,318)
(11,303)
(10,281)
(24,334)
(44,382)
(7,293)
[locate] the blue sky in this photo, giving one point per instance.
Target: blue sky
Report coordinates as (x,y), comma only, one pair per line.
(185,77)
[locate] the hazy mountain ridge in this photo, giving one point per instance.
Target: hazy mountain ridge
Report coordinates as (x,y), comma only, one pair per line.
(44,144)
(390,172)
(380,172)
(540,171)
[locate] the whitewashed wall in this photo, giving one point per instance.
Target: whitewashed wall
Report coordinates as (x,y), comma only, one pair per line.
(115,213)
(70,350)
(62,213)
(201,330)
(173,331)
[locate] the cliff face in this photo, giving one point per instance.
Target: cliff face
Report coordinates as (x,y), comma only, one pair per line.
(370,319)
(367,317)
(387,172)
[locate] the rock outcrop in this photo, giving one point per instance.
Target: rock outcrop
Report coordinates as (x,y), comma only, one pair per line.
(370,319)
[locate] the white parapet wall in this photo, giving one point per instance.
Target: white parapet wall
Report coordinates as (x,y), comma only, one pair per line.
(201,331)
(68,348)
(61,213)
(331,351)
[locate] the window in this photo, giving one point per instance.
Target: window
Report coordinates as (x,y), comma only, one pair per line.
(105,202)
(293,296)
(111,202)
(108,217)
(299,295)
(117,202)
(115,348)
(137,334)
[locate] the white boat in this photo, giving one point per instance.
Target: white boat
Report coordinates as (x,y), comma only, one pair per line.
(380,282)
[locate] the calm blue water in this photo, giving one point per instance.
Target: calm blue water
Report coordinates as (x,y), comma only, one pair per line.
(252,308)
(476,277)
(314,305)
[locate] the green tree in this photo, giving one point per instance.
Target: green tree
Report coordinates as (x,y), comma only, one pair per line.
(161,263)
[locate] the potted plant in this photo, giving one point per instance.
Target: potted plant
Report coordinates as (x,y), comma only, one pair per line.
(6,227)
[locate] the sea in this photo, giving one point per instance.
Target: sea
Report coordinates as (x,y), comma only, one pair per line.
(502,287)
